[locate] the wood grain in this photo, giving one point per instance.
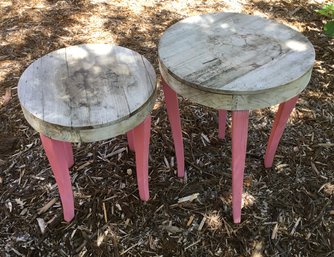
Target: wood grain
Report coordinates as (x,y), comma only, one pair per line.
(87,92)
(236,55)
(240,101)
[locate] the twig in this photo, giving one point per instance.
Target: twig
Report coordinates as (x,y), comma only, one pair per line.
(47,206)
(188,198)
(125,251)
(195,243)
(295,226)
(105,212)
(274,233)
(190,220)
(325,144)
(202,224)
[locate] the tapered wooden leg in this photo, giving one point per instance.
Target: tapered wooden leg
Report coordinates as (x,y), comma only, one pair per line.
(141,136)
(239,147)
(130,137)
(68,151)
(222,116)
(173,112)
(281,119)
(54,150)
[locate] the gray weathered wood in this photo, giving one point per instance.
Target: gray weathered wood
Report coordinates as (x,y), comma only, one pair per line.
(247,61)
(88,92)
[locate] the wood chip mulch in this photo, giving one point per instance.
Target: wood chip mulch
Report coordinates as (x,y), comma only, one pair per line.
(288,209)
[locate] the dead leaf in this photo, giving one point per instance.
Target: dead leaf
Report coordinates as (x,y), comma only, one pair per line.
(4,100)
(329,189)
(153,243)
(172,229)
(19,202)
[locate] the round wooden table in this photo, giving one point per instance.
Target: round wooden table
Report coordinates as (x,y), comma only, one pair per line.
(87,93)
(236,62)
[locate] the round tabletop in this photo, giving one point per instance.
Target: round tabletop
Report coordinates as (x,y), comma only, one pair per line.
(87,92)
(238,58)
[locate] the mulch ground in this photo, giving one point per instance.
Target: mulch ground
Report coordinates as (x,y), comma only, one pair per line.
(288,209)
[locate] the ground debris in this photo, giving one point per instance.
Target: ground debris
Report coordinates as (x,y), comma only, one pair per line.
(287,210)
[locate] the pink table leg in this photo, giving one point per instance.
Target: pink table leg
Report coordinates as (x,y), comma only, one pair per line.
(281,119)
(141,137)
(68,151)
(222,116)
(239,147)
(173,112)
(59,163)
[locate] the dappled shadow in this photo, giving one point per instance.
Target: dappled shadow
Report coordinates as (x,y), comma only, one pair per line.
(28,31)
(312,123)
(140,32)
(110,219)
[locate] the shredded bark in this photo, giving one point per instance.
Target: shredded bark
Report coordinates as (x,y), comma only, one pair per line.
(288,209)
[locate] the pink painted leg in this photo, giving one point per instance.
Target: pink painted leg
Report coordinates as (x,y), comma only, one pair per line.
(130,137)
(68,151)
(222,116)
(54,150)
(281,119)
(141,136)
(239,147)
(173,112)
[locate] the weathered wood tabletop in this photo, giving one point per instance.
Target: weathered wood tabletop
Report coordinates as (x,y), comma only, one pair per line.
(235,61)
(87,92)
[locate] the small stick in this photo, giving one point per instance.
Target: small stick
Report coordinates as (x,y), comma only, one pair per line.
(274,233)
(47,206)
(315,168)
(190,220)
(189,198)
(295,226)
(326,144)
(105,212)
(202,224)
(192,244)
(159,208)
(125,251)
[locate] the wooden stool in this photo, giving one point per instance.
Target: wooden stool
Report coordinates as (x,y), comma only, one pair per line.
(235,62)
(87,93)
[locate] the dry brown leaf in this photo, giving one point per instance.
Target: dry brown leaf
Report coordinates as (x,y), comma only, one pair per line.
(329,189)
(4,100)
(172,229)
